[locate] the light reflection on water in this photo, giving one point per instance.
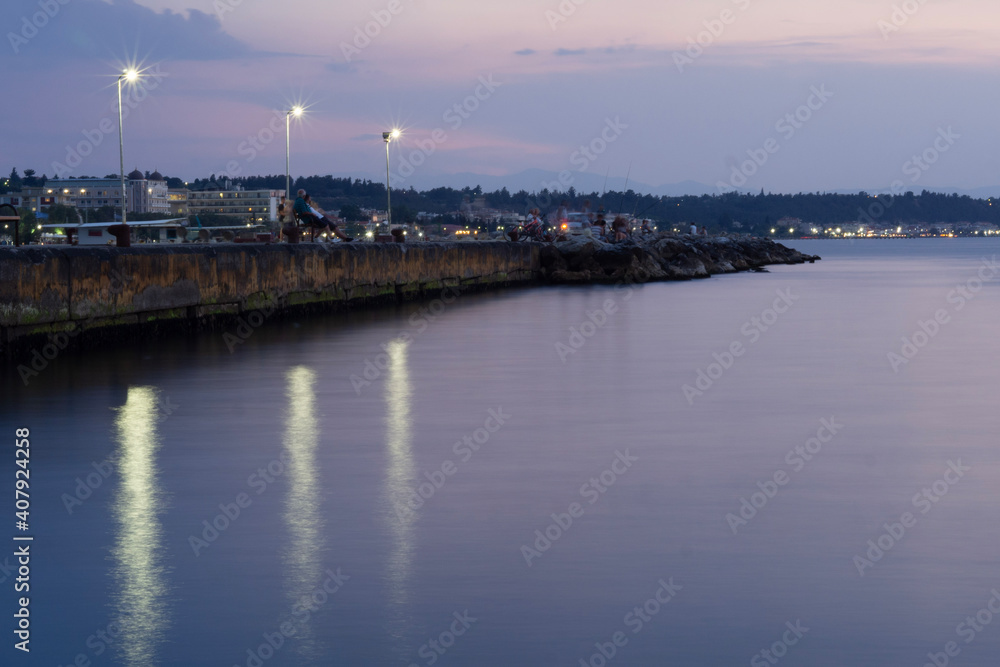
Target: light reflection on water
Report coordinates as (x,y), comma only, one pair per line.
(303,560)
(139,573)
(400,473)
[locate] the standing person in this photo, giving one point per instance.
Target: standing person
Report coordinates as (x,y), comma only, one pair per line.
(286,217)
(281,210)
(562,213)
(588,218)
(313,217)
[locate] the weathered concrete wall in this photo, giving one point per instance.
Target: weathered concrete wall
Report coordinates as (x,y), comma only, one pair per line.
(56,288)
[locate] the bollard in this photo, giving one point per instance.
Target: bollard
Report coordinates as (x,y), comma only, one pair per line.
(123,239)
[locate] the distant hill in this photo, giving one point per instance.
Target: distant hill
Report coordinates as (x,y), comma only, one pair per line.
(534,180)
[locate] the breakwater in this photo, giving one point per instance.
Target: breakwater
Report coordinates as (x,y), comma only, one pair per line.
(93,293)
(665,257)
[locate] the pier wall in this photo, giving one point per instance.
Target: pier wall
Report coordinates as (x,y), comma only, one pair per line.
(51,289)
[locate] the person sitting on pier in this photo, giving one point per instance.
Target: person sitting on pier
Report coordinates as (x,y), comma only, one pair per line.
(307,213)
(620,226)
(601,226)
(533,227)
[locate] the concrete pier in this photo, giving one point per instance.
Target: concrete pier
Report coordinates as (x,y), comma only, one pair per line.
(96,291)
(104,292)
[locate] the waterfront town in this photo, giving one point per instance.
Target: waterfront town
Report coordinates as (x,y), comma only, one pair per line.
(224,209)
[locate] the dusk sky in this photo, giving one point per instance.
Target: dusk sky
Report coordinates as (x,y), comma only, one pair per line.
(566,72)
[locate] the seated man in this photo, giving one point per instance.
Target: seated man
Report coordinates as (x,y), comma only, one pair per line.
(601,227)
(304,209)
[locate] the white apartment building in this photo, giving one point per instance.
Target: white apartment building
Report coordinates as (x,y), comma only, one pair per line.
(148,195)
(255,205)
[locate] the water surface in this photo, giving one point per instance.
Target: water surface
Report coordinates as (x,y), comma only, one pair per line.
(326,471)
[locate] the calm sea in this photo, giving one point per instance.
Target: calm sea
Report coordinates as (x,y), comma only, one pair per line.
(802,463)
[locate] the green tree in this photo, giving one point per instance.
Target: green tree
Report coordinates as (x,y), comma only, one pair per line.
(353,213)
(28,226)
(403,214)
(59,214)
(14,181)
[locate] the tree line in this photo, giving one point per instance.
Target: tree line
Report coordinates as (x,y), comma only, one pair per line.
(752,213)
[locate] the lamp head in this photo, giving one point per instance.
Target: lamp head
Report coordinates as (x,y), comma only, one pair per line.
(130,75)
(390,135)
(296,111)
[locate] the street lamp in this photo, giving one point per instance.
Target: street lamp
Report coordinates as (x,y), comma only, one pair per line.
(387,137)
(129,75)
(294,111)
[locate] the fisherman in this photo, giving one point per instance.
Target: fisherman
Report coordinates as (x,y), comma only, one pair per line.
(601,225)
(620,228)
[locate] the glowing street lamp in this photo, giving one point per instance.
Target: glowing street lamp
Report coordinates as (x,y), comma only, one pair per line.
(129,75)
(294,111)
(387,137)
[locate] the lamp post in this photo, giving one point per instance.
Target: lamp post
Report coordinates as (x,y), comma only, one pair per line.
(129,75)
(387,137)
(294,111)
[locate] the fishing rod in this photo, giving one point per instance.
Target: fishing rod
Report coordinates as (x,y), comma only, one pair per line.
(656,201)
(622,201)
(604,190)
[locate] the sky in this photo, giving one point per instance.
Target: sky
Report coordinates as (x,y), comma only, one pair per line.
(773,95)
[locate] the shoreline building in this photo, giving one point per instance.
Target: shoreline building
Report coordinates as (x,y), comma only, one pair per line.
(33,198)
(147,194)
(248,205)
(83,193)
(178,202)
(143,194)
